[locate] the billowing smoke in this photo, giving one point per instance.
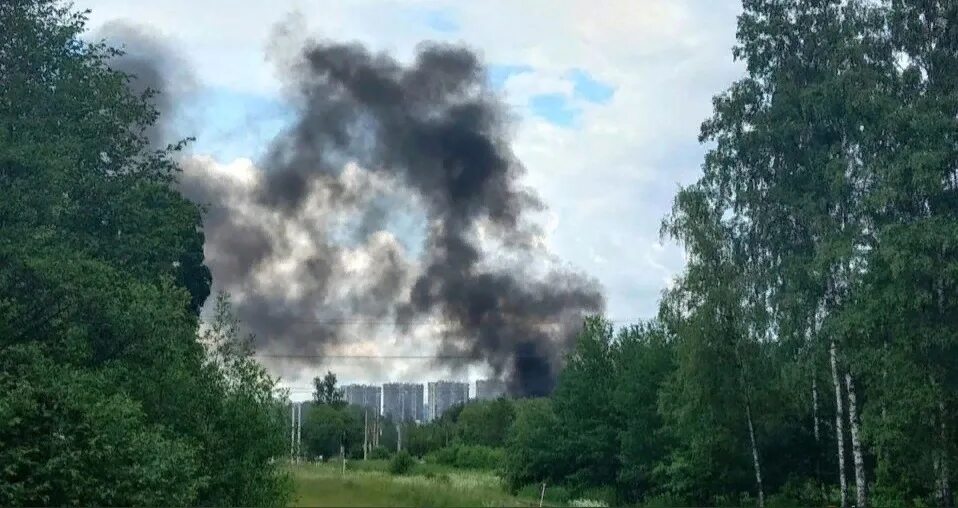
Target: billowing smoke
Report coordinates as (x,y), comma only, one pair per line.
(308,244)
(436,127)
(154,65)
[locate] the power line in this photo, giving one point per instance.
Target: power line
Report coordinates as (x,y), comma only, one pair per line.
(381,321)
(394,357)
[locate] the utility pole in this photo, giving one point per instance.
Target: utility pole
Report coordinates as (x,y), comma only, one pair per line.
(292,430)
(402,416)
(299,432)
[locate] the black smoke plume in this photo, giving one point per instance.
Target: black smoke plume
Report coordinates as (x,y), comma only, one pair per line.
(435,126)
(373,138)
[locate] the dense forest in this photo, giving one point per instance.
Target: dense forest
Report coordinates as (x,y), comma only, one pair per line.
(111,391)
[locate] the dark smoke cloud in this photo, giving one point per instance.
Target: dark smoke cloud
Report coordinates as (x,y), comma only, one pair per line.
(317,301)
(373,139)
(436,127)
(154,64)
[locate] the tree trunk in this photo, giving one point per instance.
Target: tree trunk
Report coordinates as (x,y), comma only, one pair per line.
(943,490)
(861,482)
(818,437)
(366,434)
(839,425)
(755,461)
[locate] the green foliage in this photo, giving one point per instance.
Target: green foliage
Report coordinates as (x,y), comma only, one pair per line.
(326,391)
(824,223)
(108,393)
(587,420)
(323,485)
(530,450)
(485,423)
(328,427)
(380,453)
(468,457)
(644,360)
(401,462)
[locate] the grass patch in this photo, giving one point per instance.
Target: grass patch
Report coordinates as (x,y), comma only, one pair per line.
(367,484)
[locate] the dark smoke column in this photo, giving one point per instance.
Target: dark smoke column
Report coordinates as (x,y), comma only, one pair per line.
(435,126)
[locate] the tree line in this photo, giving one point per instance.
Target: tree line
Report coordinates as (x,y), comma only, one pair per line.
(469,435)
(112,390)
(808,352)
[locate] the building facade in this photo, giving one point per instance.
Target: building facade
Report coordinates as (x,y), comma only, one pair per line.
(365,396)
(489,389)
(403,402)
(443,395)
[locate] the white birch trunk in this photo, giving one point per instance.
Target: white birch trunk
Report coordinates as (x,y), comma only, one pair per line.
(755,461)
(861,482)
(941,460)
(815,408)
(839,426)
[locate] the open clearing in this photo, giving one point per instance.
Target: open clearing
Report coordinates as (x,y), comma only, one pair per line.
(369,485)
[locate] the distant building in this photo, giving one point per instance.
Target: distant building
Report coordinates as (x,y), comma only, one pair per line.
(489,389)
(443,395)
(366,396)
(403,401)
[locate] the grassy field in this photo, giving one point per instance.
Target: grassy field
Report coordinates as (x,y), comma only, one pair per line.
(367,484)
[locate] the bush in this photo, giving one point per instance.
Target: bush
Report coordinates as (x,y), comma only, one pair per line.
(468,457)
(380,453)
(401,463)
(479,457)
(445,456)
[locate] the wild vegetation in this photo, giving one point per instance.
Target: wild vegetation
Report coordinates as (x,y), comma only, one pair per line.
(112,391)
(807,353)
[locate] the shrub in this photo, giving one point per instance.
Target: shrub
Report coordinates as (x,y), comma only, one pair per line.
(468,457)
(479,457)
(380,453)
(401,463)
(445,456)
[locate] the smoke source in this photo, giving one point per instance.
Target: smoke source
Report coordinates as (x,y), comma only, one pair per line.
(373,141)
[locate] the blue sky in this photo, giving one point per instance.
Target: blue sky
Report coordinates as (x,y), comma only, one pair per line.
(607,101)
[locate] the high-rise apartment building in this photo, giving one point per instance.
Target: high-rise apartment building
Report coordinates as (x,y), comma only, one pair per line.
(443,395)
(403,402)
(366,396)
(489,389)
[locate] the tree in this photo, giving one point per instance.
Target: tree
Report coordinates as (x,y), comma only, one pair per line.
(582,402)
(644,359)
(486,423)
(107,395)
(326,391)
(329,429)
(531,450)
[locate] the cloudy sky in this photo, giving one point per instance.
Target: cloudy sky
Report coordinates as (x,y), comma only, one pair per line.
(607,99)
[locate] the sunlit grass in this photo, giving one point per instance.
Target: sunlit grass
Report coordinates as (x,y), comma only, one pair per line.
(368,485)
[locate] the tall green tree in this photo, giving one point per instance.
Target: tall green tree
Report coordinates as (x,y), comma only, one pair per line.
(582,402)
(107,395)
(326,391)
(644,360)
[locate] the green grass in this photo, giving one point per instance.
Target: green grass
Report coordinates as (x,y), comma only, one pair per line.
(368,485)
